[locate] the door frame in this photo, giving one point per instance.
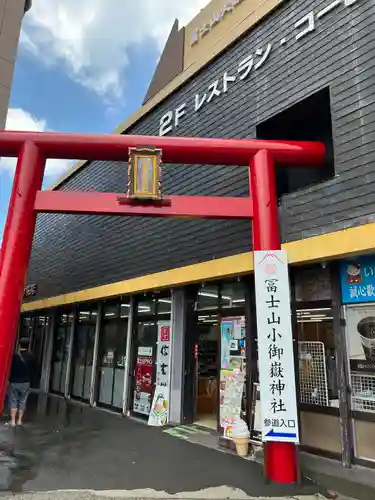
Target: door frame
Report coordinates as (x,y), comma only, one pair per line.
(190,395)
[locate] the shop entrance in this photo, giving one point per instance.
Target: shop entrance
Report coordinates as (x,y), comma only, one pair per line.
(152,314)
(213,309)
(207,352)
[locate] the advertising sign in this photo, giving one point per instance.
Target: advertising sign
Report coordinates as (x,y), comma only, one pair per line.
(160,405)
(360,332)
(143,381)
(231,392)
(275,347)
(358,280)
(232,373)
(216,18)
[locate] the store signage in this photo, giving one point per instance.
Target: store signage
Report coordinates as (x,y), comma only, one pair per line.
(144,351)
(144,174)
(143,381)
(275,347)
(163,359)
(362,366)
(30,291)
(217,17)
(251,64)
(160,406)
(360,333)
(358,280)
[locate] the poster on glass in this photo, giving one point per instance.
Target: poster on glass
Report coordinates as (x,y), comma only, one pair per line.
(360,333)
(143,381)
(232,372)
(358,280)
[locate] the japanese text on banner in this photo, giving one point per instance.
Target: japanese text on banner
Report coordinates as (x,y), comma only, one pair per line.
(275,345)
(164,355)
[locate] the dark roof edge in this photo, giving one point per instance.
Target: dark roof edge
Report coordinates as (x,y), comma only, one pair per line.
(171,62)
(28,4)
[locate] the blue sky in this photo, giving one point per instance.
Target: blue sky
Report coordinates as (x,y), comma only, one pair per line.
(85,67)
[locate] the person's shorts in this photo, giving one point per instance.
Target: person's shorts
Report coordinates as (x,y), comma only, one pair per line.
(18,393)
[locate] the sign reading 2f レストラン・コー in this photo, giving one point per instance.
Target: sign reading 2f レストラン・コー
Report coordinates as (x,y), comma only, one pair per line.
(255,60)
(275,347)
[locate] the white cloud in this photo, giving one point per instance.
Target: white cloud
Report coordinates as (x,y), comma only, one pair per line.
(91,38)
(21,120)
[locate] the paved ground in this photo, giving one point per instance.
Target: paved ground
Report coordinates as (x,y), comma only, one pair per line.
(89,495)
(70,447)
(357,482)
(74,447)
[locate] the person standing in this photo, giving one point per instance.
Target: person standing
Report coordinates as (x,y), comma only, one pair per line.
(19,382)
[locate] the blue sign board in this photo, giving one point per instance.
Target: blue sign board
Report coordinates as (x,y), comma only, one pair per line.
(358,280)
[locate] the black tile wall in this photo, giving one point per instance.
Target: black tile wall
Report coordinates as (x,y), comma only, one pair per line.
(75,252)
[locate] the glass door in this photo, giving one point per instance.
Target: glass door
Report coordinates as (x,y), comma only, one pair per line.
(37,346)
(112,355)
(146,332)
(60,351)
(26,329)
(83,353)
(212,359)
(153,312)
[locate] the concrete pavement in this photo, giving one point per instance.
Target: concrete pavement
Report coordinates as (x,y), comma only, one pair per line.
(100,455)
(115,495)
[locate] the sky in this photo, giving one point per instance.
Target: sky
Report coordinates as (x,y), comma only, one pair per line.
(85,66)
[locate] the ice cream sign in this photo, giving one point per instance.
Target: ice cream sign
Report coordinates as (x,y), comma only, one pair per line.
(358,280)
(215,19)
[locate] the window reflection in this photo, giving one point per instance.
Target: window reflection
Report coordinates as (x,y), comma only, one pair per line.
(83,352)
(112,353)
(164,306)
(26,329)
(227,295)
(41,324)
(208,297)
(233,295)
(32,331)
(146,307)
(60,351)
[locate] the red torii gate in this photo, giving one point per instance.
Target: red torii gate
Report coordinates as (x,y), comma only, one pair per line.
(27,199)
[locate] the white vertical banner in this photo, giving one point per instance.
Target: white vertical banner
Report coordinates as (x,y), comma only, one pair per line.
(275,347)
(159,414)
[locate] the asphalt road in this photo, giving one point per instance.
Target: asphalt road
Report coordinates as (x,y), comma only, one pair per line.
(78,448)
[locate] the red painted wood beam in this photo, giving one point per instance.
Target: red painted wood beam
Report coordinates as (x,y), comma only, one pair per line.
(175,149)
(75,202)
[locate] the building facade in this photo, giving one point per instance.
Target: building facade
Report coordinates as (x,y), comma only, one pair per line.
(11,14)
(118,306)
